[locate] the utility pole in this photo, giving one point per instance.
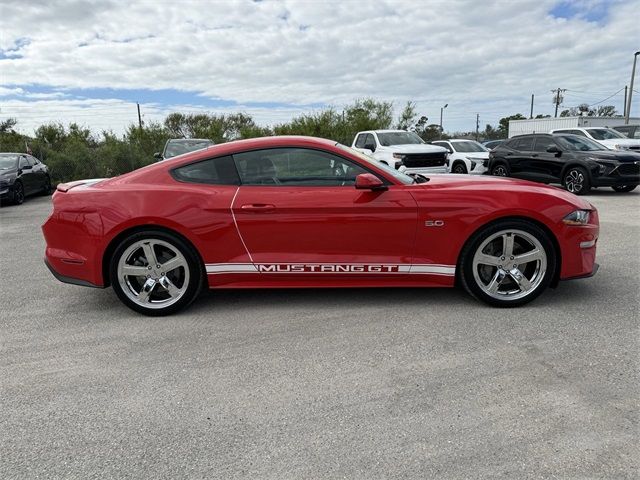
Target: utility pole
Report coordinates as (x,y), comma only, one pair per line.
(442,110)
(477,125)
(633,74)
(139,117)
(531,114)
(558,98)
(624,108)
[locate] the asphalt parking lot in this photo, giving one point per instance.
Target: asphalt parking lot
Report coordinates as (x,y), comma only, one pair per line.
(350,384)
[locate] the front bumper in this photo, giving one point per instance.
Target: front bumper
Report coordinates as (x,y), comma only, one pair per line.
(578,249)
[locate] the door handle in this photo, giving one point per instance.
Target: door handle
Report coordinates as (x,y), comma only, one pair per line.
(258,207)
(534,154)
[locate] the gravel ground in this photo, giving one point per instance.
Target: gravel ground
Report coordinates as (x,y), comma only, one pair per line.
(371,384)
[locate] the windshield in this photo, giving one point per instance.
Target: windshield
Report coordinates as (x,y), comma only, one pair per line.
(604,133)
(576,143)
(401,177)
(398,138)
(185,146)
(468,146)
(8,161)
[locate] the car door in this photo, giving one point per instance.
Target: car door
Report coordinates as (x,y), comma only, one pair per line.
(26,175)
(299,213)
(39,173)
(544,166)
(520,158)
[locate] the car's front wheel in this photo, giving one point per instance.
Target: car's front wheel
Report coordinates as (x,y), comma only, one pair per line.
(156,273)
(508,264)
(576,180)
(459,167)
(500,170)
(624,188)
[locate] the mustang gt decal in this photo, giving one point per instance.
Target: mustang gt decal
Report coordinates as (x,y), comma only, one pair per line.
(349,268)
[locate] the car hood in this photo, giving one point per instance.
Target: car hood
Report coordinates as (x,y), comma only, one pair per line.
(415,148)
(619,155)
(485,184)
(483,155)
(625,142)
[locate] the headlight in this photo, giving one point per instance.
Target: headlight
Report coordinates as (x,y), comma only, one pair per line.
(621,147)
(578,217)
(398,156)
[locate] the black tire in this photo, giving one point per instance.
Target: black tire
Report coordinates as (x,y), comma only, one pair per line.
(46,189)
(624,188)
(469,280)
(459,167)
(500,170)
(576,180)
(18,193)
(194,264)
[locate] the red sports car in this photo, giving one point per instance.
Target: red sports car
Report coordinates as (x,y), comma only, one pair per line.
(304,212)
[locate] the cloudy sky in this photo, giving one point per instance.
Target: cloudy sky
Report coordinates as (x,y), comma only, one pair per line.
(90,62)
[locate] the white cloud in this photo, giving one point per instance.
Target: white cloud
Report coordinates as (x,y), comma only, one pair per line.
(479,57)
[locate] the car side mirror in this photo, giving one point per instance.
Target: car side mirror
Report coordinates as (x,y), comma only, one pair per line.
(157,156)
(554,149)
(368,181)
(370,146)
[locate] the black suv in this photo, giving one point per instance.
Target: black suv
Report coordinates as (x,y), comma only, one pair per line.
(577,163)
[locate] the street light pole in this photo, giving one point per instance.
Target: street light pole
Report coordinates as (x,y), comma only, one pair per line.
(441,110)
(633,74)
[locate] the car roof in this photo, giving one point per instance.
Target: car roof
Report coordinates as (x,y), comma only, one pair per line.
(185,140)
(460,140)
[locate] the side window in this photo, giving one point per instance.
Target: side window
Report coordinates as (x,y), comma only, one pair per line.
(214,171)
(524,144)
(360,140)
(32,160)
(370,142)
(295,167)
(542,143)
(576,132)
(23,162)
(446,145)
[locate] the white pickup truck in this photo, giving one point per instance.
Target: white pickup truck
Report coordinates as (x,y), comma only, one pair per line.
(405,151)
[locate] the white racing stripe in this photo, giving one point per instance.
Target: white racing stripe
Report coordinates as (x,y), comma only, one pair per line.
(331,268)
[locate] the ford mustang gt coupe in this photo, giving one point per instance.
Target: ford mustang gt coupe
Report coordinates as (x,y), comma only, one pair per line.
(305,212)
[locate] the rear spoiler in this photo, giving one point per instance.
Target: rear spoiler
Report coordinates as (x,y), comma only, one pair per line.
(65,187)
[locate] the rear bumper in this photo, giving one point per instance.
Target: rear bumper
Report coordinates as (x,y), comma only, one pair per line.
(72,281)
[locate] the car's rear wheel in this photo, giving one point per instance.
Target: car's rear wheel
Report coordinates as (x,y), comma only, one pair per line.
(459,167)
(576,180)
(18,193)
(624,188)
(500,170)
(156,273)
(508,264)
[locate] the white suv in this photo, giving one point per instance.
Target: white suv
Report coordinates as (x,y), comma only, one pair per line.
(405,151)
(465,156)
(608,137)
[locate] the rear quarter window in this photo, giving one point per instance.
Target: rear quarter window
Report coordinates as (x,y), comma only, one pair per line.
(213,171)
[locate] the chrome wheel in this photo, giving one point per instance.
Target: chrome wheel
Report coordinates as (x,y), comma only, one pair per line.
(574,181)
(153,273)
(500,171)
(509,265)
